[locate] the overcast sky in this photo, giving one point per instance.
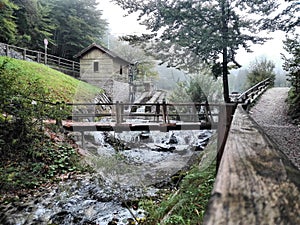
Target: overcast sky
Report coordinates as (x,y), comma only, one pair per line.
(120,25)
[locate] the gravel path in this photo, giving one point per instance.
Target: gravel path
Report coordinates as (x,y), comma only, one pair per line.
(270,112)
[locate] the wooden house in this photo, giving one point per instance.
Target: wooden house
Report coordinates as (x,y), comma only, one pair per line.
(101,67)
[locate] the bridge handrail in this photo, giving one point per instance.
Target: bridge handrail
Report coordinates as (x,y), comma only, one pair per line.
(157,110)
(42,57)
(252,91)
(256,183)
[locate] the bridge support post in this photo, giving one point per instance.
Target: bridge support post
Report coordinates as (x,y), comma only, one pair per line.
(226,112)
(82,140)
(157,111)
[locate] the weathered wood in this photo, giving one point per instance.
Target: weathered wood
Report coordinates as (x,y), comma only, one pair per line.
(224,120)
(256,183)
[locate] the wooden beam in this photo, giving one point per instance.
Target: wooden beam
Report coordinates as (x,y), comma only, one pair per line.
(256,183)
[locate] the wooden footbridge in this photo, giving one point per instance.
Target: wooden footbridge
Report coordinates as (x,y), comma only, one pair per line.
(161,116)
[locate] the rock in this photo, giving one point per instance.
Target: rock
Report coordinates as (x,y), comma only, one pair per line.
(172,139)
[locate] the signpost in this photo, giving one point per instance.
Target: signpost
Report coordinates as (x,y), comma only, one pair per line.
(46,44)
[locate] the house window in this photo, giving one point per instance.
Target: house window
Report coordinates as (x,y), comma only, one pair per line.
(121,70)
(96,66)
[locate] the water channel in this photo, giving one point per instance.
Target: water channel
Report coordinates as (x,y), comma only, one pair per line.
(108,196)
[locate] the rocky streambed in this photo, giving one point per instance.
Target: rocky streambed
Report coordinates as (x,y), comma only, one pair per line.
(147,162)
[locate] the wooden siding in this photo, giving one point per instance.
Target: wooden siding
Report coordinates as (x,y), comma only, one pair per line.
(87,65)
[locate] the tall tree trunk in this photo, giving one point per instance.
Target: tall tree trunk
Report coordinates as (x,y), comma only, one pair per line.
(224,51)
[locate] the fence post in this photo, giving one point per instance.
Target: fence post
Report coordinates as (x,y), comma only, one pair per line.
(38,57)
(118,118)
(157,111)
(24,54)
(226,112)
(164,107)
(7,50)
(121,112)
(58,112)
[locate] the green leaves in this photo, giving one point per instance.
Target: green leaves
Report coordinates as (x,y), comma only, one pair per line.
(8,26)
(292,66)
(260,70)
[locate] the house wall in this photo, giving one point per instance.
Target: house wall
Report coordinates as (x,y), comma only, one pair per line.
(106,67)
(108,76)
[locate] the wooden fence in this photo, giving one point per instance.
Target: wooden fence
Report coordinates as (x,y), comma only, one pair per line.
(256,183)
(153,112)
(64,65)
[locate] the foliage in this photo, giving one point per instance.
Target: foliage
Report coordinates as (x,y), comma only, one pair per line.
(146,64)
(30,152)
(200,87)
(33,22)
(8,26)
(41,165)
(69,25)
(186,205)
(292,66)
(78,24)
(186,33)
(260,70)
(286,18)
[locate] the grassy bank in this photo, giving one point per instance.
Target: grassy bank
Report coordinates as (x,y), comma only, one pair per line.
(33,153)
(187,205)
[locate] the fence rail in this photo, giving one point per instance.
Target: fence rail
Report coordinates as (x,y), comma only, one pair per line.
(153,112)
(256,183)
(64,65)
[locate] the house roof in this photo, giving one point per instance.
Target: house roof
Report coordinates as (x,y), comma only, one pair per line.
(103,49)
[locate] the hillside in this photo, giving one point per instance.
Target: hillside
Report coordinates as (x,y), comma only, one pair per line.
(33,152)
(58,86)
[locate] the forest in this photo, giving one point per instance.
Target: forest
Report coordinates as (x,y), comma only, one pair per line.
(69,25)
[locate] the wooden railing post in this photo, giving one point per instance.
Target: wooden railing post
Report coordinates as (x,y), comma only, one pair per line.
(38,57)
(226,112)
(24,54)
(7,50)
(164,107)
(157,111)
(121,112)
(118,118)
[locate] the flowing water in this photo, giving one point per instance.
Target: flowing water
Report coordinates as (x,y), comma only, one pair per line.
(109,195)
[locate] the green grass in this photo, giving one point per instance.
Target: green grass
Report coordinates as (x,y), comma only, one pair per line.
(33,153)
(58,86)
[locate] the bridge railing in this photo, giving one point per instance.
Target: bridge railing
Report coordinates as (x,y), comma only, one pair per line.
(162,112)
(64,65)
(250,95)
(256,183)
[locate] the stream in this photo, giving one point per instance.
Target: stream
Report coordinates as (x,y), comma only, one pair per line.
(110,195)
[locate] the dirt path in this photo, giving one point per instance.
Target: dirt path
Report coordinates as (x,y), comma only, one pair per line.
(270,113)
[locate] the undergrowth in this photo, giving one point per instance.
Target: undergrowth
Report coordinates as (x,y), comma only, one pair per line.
(33,151)
(187,205)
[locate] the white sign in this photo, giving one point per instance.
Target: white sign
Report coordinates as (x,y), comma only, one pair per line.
(45,42)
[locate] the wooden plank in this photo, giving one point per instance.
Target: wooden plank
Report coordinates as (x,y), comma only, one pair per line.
(89,126)
(256,183)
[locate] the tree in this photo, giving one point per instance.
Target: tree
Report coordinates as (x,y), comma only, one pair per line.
(145,63)
(187,32)
(199,87)
(260,70)
(286,18)
(34,23)
(8,26)
(292,66)
(78,24)
(292,61)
